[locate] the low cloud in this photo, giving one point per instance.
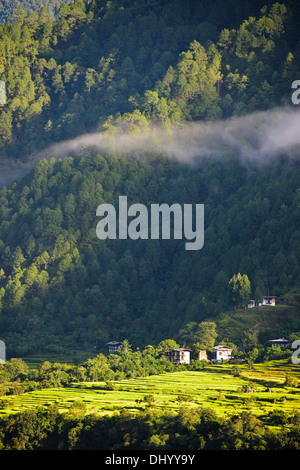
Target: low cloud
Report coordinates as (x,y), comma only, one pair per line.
(255,138)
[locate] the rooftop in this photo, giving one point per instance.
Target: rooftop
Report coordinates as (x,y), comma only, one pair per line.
(281,340)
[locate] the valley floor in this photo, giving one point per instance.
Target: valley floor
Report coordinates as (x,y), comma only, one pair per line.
(267,387)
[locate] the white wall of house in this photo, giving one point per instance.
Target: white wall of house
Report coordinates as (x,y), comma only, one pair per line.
(184,357)
(222,353)
(269,302)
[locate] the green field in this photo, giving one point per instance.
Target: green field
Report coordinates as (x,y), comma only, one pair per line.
(215,387)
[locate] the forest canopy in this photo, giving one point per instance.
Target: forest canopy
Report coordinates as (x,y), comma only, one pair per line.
(140,62)
(61,285)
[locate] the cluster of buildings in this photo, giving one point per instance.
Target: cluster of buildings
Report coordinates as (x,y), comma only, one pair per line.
(183,355)
(269,300)
(220,352)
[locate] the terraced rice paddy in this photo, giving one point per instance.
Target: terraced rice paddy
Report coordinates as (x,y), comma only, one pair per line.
(214,387)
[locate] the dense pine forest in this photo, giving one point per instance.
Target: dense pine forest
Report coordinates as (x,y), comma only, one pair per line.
(138,62)
(97,67)
(9,9)
(62,286)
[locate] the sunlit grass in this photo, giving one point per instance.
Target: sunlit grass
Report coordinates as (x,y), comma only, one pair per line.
(215,387)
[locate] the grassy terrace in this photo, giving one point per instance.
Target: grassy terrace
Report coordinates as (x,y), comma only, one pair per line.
(215,387)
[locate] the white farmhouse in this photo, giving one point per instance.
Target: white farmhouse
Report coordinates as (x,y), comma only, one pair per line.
(114,346)
(282,342)
(178,356)
(269,300)
(222,352)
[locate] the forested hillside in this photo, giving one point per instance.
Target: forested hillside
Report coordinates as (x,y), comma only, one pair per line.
(101,66)
(147,61)
(61,285)
(9,9)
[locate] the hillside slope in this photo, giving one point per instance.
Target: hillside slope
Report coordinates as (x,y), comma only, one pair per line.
(133,65)
(9,9)
(141,61)
(61,285)
(264,323)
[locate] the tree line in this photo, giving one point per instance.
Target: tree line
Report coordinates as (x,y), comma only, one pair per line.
(151,429)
